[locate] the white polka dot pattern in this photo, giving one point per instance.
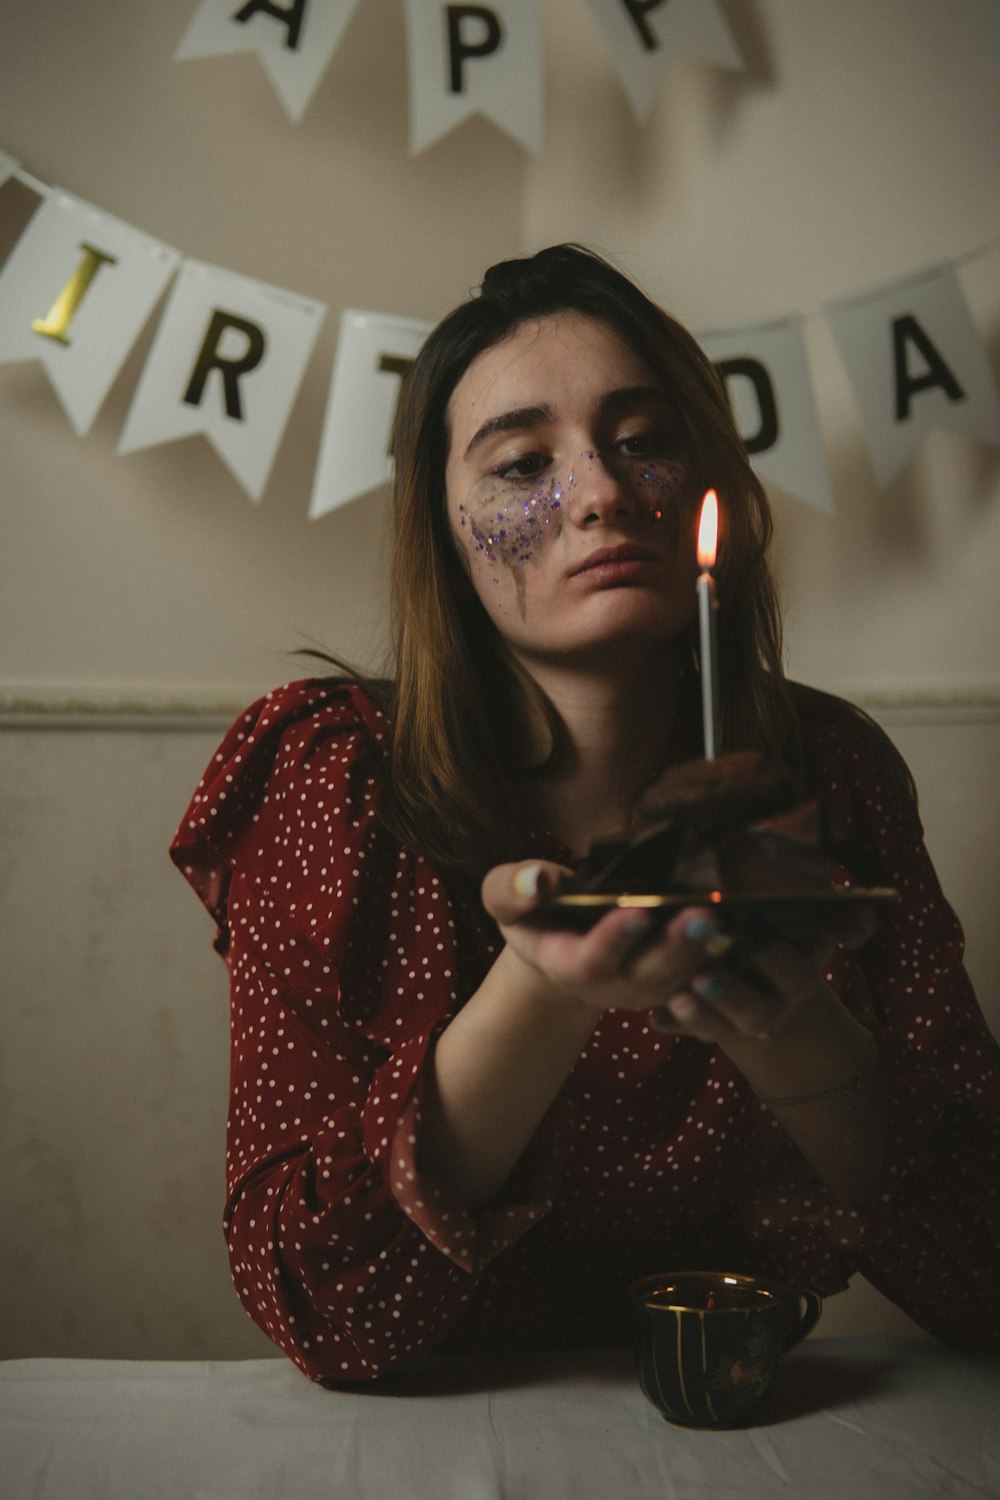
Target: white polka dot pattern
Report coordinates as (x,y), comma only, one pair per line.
(347,956)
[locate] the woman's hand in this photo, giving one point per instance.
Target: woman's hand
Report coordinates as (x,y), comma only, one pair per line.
(690,972)
(767,1006)
(626,961)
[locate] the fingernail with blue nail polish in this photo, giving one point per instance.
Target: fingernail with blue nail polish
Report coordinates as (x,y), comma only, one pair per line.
(708,986)
(700,929)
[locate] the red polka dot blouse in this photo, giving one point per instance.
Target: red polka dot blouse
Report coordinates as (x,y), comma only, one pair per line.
(347,955)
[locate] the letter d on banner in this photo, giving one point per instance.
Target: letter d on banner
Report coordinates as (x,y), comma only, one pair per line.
(766,372)
(474,59)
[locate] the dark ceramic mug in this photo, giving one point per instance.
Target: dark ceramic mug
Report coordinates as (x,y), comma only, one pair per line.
(707,1343)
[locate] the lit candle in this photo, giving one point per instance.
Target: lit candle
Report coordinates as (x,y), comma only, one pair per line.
(708,539)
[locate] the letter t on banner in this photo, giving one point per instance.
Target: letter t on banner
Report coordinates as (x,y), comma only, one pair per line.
(374,351)
(227,361)
(294,39)
(915,361)
(645,36)
(474,59)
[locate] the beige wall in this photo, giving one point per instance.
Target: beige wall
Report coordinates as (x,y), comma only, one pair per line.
(860,145)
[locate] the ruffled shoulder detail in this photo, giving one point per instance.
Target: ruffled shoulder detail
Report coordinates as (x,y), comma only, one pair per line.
(290,802)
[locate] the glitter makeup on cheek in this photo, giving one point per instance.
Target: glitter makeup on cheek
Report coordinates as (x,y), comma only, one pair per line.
(665,486)
(512,532)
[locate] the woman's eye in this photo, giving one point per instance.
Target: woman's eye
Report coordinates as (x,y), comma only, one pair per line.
(652,442)
(527,466)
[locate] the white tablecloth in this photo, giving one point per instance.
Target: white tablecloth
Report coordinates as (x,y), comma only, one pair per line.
(849,1418)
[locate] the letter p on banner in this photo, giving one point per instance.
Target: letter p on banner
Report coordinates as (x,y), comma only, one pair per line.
(474,59)
(227,362)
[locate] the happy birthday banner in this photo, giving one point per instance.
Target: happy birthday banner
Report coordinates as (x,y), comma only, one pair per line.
(462,60)
(229,355)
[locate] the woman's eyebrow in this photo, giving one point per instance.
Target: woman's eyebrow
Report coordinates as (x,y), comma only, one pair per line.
(520,417)
(510,421)
(630,396)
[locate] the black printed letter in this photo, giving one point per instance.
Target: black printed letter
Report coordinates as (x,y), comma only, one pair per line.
(230,369)
(394,364)
(637,15)
(937,373)
(767,432)
(458,50)
(292,15)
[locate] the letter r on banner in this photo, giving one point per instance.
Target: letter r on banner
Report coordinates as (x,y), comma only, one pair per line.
(210,357)
(460,47)
(252,338)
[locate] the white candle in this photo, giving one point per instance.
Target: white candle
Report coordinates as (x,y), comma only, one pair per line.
(708,536)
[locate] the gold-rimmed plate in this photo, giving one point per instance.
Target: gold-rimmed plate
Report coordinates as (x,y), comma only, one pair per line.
(578,911)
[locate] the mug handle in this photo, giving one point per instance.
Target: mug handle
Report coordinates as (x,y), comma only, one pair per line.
(807,1319)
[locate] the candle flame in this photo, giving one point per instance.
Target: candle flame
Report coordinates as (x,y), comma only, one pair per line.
(708,530)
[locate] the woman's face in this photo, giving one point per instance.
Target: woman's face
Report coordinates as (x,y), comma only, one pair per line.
(568,493)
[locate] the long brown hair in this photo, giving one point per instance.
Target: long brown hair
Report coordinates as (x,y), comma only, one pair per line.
(458,691)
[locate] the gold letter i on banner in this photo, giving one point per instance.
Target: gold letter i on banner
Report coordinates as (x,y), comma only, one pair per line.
(60,314)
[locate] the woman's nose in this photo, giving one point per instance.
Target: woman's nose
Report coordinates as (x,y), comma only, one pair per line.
(595,492)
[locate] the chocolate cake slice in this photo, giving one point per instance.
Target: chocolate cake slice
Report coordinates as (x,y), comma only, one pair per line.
(736,825)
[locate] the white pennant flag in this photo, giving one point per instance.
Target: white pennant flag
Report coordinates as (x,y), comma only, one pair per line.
(8,166)
(75,292)
(294,39)
(374,352)
(227,361)
(474,59)
(915,361)
(645,37)
(766,372)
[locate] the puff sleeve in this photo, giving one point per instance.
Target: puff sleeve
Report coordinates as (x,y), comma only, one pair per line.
(347,957)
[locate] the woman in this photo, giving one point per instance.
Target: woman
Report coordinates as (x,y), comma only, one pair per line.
(451,1126)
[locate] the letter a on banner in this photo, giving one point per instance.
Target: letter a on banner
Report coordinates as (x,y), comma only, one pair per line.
(474,59)
(294,39)
(227,361)
(915,361)
(766,372)
(75,293)
(374,351)
(645,36)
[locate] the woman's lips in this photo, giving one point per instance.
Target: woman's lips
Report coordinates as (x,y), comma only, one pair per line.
(616,564)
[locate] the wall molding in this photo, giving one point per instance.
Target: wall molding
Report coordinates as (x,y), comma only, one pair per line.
(199,710)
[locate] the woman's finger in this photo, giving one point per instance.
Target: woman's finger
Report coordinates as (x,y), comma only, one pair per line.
(511,892)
